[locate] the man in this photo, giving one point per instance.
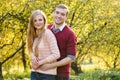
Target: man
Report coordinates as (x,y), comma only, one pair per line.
(66,41)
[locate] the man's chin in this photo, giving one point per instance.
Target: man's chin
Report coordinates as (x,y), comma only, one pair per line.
(58,23)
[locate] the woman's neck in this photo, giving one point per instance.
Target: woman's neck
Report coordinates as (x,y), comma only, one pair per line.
(38,32)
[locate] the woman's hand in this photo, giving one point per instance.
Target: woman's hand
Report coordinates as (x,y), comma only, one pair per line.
(35,63)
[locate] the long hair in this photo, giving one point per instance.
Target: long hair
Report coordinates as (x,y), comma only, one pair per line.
(31,32)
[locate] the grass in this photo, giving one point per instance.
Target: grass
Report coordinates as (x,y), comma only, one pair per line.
(98,75)
(17,76)
(89,73)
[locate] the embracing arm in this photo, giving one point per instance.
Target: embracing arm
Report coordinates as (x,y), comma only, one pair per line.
(70,53)
(63,62)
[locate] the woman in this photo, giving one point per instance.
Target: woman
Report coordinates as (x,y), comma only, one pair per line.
(42,45)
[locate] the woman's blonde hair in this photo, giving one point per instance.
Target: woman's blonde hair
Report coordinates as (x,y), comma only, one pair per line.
(31,33)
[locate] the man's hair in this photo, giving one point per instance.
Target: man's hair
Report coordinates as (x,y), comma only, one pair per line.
(63,7)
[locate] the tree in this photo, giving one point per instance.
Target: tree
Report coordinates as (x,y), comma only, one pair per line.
(96,24)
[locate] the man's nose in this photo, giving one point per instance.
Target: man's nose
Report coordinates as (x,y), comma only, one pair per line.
(59,15)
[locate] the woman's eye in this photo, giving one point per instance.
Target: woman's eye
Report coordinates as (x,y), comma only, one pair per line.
(35,20)
(40,19)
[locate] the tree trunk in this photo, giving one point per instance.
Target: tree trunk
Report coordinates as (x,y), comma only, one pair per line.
(1,76)
(23,59)
(9,57)
(76,69)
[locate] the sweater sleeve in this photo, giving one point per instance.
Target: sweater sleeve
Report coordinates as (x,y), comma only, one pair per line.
(71,44)
(55,54)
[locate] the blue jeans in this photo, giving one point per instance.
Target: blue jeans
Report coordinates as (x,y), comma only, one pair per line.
(61,78)
(39,76)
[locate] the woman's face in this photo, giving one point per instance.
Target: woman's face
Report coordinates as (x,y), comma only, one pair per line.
(38,21)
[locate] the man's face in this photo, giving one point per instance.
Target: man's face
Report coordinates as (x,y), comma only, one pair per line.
(60,16)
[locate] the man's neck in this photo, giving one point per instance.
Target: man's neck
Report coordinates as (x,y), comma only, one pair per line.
(57,25)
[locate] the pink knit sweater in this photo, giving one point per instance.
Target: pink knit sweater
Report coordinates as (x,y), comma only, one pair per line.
(48,50)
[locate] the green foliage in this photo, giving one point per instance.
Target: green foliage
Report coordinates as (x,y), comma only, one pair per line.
(90,75)
(17,76)
(95,22)
(98,75)
(98,36)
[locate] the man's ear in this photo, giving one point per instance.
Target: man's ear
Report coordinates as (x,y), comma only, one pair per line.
(66,17)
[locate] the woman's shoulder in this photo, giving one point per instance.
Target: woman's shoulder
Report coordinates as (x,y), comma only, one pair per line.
(47,31)
(49,35)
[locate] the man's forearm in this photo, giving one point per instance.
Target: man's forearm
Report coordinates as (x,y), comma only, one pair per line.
(63,62)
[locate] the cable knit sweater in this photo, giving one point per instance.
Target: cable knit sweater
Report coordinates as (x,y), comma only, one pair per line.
(48,50)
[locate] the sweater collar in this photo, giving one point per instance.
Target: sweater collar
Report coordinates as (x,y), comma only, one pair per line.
(61,27)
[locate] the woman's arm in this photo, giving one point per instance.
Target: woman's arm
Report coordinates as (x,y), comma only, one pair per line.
(55,53)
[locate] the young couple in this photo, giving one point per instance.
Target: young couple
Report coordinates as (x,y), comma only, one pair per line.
(53,48)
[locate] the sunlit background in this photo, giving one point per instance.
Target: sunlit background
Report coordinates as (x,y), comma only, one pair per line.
(95,22)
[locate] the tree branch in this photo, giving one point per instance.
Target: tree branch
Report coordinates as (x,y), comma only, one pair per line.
(13,54)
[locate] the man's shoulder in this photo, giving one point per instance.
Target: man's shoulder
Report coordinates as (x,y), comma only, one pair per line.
(49,26)
(69,30)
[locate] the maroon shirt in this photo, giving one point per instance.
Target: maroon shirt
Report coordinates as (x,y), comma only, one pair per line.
(66,41)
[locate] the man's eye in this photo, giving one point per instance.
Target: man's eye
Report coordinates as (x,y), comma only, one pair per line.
(63,14)
(57,12)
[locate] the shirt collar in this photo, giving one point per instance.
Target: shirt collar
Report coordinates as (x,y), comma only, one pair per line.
(61,27)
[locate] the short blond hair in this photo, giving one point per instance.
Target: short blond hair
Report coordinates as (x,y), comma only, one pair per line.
(62,6)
